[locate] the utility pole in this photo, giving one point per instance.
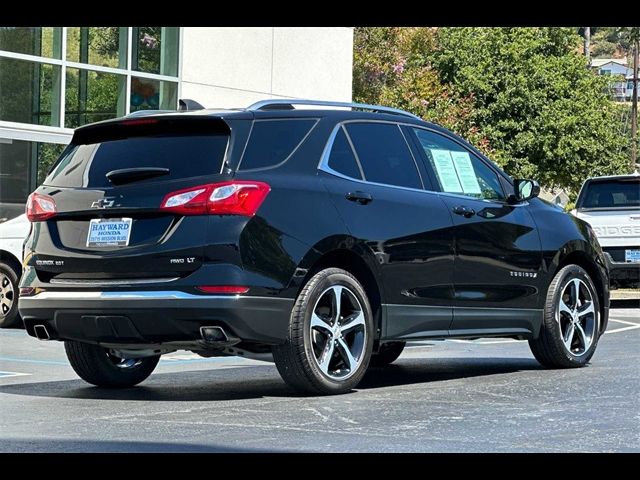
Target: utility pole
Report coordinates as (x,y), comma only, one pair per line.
(587,44)
(634,107)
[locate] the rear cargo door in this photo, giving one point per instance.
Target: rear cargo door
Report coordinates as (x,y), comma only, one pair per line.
(108,186)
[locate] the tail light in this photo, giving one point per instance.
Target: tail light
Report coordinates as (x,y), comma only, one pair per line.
(225,198)
(40,207)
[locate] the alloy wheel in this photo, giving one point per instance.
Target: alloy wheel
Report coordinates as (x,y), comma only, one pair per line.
(7,295)
(338,332)
(577,317)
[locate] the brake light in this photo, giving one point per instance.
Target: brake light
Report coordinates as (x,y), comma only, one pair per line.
(225,198)
(139,121)
(40,207)
(224,289)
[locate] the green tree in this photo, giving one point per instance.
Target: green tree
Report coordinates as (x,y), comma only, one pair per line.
(545,114)
(392,67)
(522,95)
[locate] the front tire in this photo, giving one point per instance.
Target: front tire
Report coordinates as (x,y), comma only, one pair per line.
(330,337)
(100,367)
(571,326)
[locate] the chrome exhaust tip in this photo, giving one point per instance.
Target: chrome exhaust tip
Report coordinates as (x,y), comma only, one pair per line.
(213,334)
(41,332)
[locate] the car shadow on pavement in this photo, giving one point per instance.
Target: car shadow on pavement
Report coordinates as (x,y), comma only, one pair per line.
(263,381)
(54,445)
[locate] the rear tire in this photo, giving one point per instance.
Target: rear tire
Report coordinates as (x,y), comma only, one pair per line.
(9,279)
(571,325)
(96,365)
(329,343)
(388,353)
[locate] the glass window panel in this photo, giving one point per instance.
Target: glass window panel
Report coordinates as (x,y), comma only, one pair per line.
(23,167)
(155,50)
(93,96)
(384,154)
(273,141)
(104,46)
(342,159)
(147,94)
(41,41)
(457,169)
(29,92)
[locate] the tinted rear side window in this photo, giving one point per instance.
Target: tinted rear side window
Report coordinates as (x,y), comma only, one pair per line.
(184,154)
(618,193)
(273,141)
(384,154)
(342,159)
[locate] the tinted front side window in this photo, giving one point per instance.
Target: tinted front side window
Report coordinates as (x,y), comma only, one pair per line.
(384,154)
(620,193)
(342,159)
(457,169)
(273,141)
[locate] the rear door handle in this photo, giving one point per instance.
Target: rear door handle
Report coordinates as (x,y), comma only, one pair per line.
(361,197)
(466,212)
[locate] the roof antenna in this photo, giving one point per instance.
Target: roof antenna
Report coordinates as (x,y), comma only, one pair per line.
(186,104)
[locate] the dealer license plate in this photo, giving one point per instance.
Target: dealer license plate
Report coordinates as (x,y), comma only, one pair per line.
(632,256)
(111,232)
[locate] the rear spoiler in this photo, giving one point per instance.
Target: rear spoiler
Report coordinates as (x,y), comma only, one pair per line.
(141,126)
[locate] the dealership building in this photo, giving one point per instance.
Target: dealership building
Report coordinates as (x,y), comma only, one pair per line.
(54,79)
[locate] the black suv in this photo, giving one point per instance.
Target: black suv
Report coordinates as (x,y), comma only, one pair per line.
(322,238)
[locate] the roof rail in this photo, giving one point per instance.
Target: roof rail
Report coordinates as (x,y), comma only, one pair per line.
(285,104)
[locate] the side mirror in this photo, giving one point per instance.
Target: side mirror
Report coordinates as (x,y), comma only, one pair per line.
(525,189)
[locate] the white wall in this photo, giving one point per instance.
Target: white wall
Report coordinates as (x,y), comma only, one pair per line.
(235,66)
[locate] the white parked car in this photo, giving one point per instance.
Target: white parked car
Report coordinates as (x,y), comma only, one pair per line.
(612,206)
(12,235)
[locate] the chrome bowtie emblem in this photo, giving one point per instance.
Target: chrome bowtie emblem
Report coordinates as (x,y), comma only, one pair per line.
(102,203)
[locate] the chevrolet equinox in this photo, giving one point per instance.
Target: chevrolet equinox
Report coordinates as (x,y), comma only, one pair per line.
(322,238)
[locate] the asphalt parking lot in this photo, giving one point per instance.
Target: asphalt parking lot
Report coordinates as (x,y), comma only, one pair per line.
(460,396)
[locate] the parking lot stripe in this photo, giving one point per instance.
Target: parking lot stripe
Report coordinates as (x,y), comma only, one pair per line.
(623,329)
(624,321)
(12,374)
(10,333)
(29,360)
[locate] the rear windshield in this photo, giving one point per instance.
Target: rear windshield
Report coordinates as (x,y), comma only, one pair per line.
(184,153)
(619,193)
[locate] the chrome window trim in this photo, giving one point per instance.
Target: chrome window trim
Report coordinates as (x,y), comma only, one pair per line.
(323,164)
(353,151)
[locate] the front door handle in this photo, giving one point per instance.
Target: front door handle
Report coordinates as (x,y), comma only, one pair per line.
(361,197)
(466,212)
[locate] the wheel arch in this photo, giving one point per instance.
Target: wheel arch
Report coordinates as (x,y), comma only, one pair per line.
(585,261)
(11,260)
(353,262)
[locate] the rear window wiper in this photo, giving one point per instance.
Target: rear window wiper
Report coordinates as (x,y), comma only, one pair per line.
(129,175)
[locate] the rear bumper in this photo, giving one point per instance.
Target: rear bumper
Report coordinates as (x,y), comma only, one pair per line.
(153,317)
(622,272)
